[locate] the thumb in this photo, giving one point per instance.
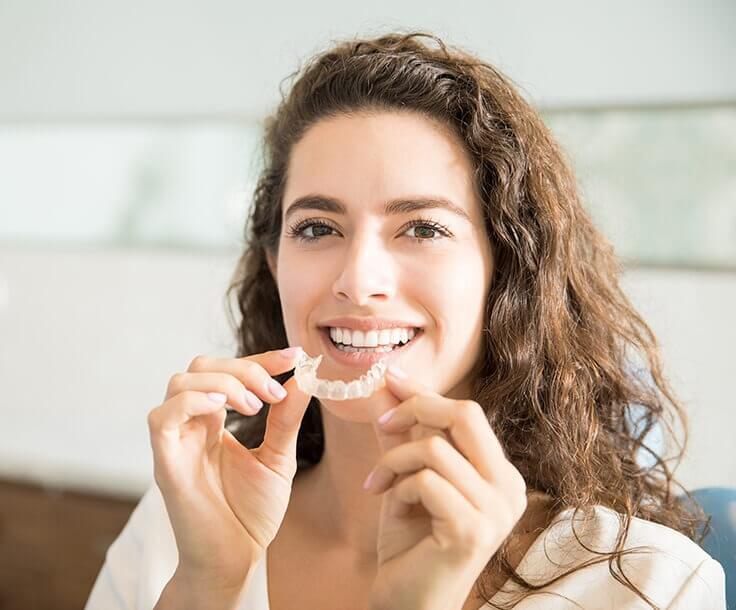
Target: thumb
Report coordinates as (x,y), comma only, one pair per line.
(278,450)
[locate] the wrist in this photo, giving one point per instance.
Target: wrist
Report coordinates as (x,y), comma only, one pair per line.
(194,591)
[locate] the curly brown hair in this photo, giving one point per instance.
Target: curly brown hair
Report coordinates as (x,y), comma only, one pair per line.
(556,380)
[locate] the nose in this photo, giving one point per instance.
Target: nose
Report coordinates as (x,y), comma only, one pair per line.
(366,274)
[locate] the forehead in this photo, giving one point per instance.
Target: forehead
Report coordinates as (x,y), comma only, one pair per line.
(367,159)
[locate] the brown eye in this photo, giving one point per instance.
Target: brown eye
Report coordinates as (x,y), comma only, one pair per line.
(426,230)
(319,229)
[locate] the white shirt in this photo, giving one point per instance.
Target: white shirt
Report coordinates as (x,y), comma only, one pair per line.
(676,573)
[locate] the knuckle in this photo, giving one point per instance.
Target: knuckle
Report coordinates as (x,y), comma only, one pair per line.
(517,506)
(153,418)
(425,477)
(187,398)
(176,383)
(198,363)
(248,371)
(488,496)
(523,502)
(392,457)
(233,388)
(467,538)
(485,536)
(285,461)
(434,447)
(226,384)
(253,368)
(517,492)
(519,482)
(472,410)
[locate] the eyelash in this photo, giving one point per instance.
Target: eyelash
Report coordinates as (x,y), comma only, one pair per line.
(296,229)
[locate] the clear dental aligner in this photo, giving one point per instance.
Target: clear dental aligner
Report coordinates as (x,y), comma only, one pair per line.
(308,382)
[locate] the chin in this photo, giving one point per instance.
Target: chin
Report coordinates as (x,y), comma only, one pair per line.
(363,410)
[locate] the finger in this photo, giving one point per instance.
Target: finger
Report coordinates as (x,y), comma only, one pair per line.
(238,396)
(436,453)
(453,518)
(404,387)
(168,418)
(398,393)
(464,421)
(255,371)
(278,450)
(274,362)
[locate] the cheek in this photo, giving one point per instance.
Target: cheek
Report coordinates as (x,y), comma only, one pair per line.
(460,280)
(300,290)
(293,275)
(294,286)
(460,291)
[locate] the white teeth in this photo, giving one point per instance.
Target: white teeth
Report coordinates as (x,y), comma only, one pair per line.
(349,349)
(321,387)
(354,389)
(371,338)
(337,390)
(306,378)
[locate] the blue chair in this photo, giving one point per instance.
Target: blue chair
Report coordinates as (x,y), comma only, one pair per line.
(717,502)
(720,542)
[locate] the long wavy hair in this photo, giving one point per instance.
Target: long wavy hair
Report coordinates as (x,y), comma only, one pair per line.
(557,382)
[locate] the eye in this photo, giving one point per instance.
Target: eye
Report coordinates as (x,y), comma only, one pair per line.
(428,226)
(321,229)
(298,230)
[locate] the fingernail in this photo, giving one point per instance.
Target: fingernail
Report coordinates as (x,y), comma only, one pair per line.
(276,389)
(216,396)
(253,400)
(290,352)
(386,416)
(396,371)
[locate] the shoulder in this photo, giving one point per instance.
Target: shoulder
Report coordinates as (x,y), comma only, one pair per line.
(664,564)
(143,558)
(140,561)
(602,526)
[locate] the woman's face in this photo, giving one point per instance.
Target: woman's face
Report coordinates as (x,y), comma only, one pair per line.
(365,263)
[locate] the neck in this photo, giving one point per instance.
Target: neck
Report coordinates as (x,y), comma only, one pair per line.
(335,505)
(339,510)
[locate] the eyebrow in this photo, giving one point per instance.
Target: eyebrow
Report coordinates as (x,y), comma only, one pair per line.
(395,206)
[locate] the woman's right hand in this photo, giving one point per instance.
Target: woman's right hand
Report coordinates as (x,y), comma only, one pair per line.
(225,502)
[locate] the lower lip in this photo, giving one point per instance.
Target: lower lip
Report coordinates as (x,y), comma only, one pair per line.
(363,359)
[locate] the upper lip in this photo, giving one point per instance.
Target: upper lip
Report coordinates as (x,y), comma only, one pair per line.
(368,323)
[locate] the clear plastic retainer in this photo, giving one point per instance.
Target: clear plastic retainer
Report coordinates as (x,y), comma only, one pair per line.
(305,372)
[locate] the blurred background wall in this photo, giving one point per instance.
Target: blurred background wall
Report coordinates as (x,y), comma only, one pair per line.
(128,147)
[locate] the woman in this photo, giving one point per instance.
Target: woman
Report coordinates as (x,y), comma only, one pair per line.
(408,186)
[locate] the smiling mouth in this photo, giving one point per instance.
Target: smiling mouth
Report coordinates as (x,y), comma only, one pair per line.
(380,349)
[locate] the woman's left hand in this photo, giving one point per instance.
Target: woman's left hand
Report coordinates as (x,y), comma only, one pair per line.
(451,499)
